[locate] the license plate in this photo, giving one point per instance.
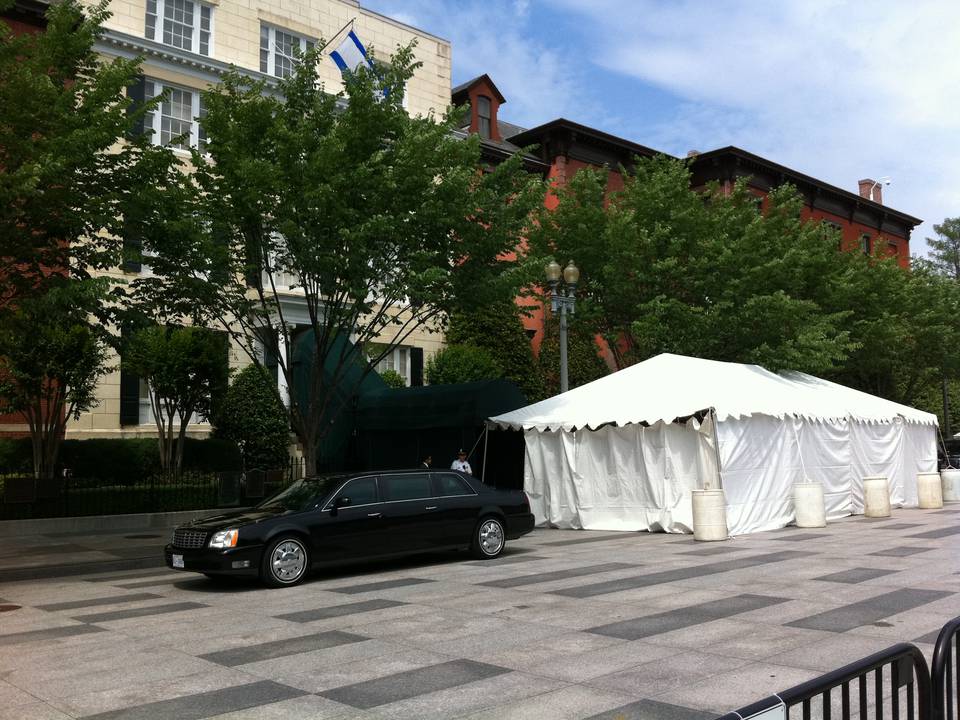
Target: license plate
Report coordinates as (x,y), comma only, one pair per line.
(178,561)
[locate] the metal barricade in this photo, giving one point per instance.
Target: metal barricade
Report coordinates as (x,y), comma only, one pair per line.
(893,684)
(945,672)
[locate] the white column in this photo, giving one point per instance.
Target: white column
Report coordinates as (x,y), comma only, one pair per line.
(281,364)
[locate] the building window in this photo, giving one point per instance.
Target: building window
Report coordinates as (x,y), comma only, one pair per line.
(279,49)
(146,416)
(175,121)
(865,244)
(397,359)
(483,116)
(183,24)
(832,230)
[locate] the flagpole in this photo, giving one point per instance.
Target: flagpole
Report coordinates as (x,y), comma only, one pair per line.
(337,34)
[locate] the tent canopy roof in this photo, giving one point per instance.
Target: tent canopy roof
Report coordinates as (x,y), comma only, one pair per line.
(667,387)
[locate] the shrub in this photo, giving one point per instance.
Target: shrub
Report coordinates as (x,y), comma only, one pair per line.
(393,379)
(253,417)
(461,364)
(584,363)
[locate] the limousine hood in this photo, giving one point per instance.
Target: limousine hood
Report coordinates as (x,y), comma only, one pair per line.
(234,518)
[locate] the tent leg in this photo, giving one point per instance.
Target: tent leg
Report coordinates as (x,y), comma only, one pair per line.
(486,438)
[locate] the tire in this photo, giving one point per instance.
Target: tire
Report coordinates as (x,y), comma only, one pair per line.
(286,562)
(489,538)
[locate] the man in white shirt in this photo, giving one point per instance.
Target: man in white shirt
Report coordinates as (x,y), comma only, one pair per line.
(461,463)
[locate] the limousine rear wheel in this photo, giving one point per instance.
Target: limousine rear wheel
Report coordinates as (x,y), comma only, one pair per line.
(488,538)
(285,562)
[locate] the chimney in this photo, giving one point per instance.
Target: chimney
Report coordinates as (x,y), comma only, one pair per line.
(871,190)
(692,153)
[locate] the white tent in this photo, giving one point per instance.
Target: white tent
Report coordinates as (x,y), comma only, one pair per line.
(624,452)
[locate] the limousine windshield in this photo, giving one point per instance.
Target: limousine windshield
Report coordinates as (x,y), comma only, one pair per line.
(301,494)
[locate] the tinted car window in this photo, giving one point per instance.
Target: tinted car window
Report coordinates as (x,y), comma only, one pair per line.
(302,494)
(405,487)
(446,485)
(362,491)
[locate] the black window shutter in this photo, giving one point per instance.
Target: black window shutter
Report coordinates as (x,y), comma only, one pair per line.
(416,367)
(132,249)
(270,361)
(129,398)
(137,94)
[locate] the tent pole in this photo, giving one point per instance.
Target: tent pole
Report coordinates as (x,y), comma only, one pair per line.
(716,445)
(486,438)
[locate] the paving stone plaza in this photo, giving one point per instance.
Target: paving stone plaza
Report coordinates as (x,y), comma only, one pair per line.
(565,624)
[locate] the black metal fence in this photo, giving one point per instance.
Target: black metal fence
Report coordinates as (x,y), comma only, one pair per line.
(945,671)
(894,684)
(27,497)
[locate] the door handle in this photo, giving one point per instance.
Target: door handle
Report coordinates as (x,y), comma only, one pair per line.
(430,507)
(374,515)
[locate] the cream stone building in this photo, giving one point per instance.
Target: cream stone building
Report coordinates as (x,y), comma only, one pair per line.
(186,46)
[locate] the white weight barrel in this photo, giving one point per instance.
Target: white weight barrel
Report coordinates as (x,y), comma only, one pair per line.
(876,496)
(709,515)
(809,506)
(929,491)
(950,484)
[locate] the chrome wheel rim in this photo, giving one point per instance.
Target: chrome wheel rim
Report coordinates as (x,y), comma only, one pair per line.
(491,537)
(288,561)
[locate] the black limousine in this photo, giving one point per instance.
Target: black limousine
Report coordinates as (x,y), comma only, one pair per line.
(333,519)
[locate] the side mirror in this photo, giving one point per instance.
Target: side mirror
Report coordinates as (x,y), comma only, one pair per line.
(341,502)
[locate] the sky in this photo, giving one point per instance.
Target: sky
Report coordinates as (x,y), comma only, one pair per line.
(837,90)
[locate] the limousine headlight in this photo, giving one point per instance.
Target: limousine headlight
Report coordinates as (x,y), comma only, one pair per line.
(224,539)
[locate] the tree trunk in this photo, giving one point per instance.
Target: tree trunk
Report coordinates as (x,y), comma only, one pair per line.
(181,441)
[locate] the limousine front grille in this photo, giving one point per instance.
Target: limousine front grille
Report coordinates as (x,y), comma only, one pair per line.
(189,539)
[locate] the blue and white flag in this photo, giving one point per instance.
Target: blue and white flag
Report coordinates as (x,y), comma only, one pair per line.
(351,54)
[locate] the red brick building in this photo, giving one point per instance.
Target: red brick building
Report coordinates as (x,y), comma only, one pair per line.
(563,147)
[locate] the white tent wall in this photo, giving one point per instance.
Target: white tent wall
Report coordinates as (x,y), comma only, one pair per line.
(617,478)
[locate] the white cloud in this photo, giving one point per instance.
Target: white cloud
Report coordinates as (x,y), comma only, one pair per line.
(838,90)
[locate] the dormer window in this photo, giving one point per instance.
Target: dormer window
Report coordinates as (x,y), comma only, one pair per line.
(483,116)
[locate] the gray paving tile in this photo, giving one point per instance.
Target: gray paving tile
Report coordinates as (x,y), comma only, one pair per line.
(868,611)
(898,526)
(47,634)
(593,539)
(652,710)
(305,616)
(556,575)
(800,537)
(37,572)
(930,637)
(94,602)
(382,585)
(163,580)
(507,560)
(855,575)
(60,549)
(282,648)
(902,551)
(206,704)
(938,532)
(713,550)
(138,612)
(666,576)
(153,572)
(641,627)
(412,683)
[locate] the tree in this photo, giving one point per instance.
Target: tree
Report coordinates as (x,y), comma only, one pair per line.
(369,222)
(671,269)
(497,328)
(945,248)
(186,370)
(51,357)
(461,364)
(255,420)
(64,174)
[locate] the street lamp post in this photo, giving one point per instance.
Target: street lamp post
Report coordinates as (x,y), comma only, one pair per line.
(563,298)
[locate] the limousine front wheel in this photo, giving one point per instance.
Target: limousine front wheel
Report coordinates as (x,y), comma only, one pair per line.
(285,562)
(488,538)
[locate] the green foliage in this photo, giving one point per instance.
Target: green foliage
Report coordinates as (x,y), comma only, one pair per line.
(253,417)
(51,358)
(460,364)
(65,178)
(945,248)
(186,369)
(393,379)
(584,363)
(498,329)
(381,218)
